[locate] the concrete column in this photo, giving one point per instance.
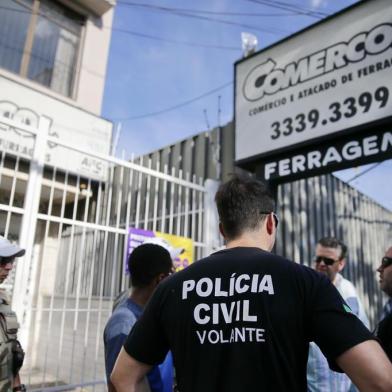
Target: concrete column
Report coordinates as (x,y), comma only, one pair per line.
(24,284)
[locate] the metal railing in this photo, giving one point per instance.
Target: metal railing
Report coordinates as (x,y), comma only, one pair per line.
(75,232)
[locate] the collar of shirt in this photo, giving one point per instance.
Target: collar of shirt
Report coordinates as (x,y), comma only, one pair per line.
(387,310)
(338,280)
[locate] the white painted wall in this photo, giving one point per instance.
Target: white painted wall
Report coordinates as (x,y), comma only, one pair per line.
(95,53)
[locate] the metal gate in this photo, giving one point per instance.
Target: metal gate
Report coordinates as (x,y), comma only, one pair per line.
(74,229)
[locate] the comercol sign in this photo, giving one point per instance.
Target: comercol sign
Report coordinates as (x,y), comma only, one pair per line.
(317,86)
(68,123)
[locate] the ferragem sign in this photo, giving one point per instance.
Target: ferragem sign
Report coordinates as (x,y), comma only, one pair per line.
(316,87)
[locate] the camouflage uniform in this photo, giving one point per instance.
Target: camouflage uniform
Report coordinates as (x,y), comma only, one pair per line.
(8,330)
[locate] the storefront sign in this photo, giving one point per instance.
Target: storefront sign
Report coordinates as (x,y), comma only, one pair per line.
(68,123)
(353,150)
(315,86)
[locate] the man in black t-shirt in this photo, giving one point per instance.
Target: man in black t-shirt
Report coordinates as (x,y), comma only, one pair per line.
(242,318)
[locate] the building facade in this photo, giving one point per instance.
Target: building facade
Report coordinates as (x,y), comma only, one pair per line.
(49,67)
(53,56)
(53,60)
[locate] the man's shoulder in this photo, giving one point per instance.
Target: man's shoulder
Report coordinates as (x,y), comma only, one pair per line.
(242,260)
(124,312)
(120,322)
(346,288)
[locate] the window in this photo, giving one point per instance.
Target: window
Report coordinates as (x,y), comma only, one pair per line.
(39,40)
(14,22)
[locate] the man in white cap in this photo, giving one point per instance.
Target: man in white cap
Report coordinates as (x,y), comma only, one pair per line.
(11,353)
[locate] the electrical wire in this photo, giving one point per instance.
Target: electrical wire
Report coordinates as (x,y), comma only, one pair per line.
(150,114)
(186,13)
(290,7)
(183,14)
(364,172)
(296,7)
(189,10)
(172,41)
(169,109)
(269,30)
(149,36)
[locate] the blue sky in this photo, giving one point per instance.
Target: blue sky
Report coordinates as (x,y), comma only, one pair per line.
(148,75)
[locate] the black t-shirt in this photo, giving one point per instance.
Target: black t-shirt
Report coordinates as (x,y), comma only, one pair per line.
(385,335)
(241,320)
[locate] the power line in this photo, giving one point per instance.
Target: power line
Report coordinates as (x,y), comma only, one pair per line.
(148,36)
(172,41)
(160,111)
(179,12)
(220,13)
(189,15)
(297,7)
(364,172)
(290,7)
(182,104)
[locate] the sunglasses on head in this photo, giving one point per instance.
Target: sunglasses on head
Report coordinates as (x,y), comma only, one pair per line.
(273,214)
(327,260)
(386,262)
(6,260)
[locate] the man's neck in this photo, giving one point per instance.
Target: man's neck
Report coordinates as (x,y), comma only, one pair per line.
(140,296)
(249,240)
(336,280)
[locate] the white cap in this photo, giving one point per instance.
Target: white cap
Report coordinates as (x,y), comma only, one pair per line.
(10,250)
(174,252)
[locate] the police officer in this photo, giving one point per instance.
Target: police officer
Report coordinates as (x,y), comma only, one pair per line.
(242,318)
(11,353)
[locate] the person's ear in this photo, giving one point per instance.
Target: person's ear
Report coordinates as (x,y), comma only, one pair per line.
(342,263)
(270,224)
(160,277)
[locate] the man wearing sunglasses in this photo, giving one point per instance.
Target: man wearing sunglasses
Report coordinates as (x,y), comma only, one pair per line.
(384,329)
(11,353)
(330,260)
(242,318)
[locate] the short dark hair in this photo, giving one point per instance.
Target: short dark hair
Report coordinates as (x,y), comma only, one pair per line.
(332,242)
(146,262)
(240,202)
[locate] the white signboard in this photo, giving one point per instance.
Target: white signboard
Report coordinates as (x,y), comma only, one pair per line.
(331,77)
(69,124)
